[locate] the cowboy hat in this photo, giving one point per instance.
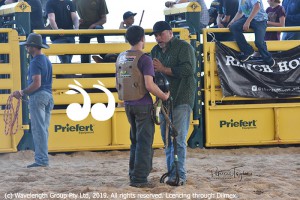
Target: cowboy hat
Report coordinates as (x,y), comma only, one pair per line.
(34,40)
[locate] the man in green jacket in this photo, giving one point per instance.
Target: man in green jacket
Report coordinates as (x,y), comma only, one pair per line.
(176,59)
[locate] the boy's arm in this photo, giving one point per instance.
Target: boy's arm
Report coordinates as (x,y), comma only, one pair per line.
(254,11)
(237,16)
(154,89)
(226,18)
(281,22)
(122,26)
(219,20)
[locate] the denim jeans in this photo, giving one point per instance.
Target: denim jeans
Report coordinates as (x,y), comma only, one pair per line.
(181,121)
(141,136)
(40,105)
(259,28)
(291,36)
(62,40)
(85,58)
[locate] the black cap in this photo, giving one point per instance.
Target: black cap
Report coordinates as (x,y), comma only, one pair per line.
(128,14)
(161,26)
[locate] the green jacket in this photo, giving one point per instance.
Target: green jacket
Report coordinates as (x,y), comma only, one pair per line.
(180,57)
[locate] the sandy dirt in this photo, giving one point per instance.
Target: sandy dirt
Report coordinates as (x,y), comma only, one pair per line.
(243,173)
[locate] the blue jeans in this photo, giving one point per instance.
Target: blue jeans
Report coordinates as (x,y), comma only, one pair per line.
(40,105)
(291,36)
(181,121)
(259,28)
(62,40)
(141,136)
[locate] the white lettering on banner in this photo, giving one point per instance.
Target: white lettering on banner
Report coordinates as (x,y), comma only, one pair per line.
(99,111)
(231,61)
(283,65)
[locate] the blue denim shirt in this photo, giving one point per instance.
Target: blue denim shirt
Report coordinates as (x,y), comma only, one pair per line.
(292,10)
(246,7)
(41,65)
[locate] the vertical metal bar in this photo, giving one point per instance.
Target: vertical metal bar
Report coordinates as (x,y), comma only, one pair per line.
(197,139)
(114,129)
(276,124)
(24,27)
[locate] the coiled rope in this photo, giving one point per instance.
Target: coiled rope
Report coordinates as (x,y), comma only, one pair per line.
(11,116)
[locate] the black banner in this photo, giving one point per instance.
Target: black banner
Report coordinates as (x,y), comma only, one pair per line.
(256,79)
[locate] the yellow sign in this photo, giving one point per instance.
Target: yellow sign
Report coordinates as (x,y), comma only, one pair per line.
(22,6)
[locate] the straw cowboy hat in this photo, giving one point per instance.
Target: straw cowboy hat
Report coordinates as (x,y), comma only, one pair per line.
(35,40)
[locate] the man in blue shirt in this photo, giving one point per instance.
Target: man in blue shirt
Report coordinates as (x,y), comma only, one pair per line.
(40,97)
(292,10)
(251,14)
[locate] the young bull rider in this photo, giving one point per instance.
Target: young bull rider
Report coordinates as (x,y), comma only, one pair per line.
(135,73)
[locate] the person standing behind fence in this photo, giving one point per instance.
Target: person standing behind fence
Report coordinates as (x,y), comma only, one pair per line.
(92,15)
(40,97)
(138,103)
(176,59)
(292,10)
(36,15)
(251,14)
(226,12)
(213,12)
(276,18)
(62,15)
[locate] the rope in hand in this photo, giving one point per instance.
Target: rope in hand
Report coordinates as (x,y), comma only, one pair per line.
(11,116)
(170,131)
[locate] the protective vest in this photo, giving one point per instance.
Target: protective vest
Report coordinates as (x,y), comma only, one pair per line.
(130,80)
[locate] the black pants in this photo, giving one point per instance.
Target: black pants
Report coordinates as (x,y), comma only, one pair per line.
(141,136)
(85,58)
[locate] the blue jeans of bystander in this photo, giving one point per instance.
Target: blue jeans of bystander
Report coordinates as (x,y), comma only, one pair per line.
(62,40)
(40,106)
(259,28)
(181,121)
